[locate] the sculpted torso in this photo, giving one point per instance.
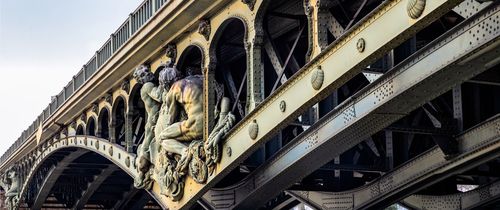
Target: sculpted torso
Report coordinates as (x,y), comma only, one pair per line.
(186,95)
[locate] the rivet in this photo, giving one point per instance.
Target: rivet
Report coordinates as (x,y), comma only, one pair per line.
(361,45)
(282,106)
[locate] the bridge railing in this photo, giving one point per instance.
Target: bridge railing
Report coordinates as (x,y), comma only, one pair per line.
(136,20)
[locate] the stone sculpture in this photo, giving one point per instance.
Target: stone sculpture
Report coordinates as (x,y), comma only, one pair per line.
(173,146)
(151,96)
(224,124)
(10,183)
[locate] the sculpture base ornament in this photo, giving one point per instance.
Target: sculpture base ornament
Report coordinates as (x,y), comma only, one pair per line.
(173,147)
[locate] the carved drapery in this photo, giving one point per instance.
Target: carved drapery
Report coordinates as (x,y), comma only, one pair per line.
(10,182)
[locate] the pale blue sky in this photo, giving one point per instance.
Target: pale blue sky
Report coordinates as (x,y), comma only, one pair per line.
(43,43)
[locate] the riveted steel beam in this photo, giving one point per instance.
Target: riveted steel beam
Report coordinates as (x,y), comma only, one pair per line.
(94,185)
(469,7)
(451,59)
(379,37)
(469,200)
(424,170)
(52,177)
(334,26)
(127,196)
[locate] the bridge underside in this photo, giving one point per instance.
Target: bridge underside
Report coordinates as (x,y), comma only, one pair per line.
(89,181)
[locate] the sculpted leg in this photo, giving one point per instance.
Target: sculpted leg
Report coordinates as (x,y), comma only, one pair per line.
(143,160)
(172,132)
(173,146)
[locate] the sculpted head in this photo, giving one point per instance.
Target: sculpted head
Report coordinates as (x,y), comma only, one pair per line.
(169,75)
(143,74)
(11,174)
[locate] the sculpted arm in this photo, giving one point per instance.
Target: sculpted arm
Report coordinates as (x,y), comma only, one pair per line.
(154,92)
(173,108)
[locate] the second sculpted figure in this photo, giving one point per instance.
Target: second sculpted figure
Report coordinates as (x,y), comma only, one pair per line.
(151,95)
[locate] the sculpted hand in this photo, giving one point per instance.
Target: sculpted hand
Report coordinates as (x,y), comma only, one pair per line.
(183,163)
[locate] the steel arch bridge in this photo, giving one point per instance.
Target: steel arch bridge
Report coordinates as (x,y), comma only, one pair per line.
(328,104)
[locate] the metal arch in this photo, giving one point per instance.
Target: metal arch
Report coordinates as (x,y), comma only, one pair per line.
(52,177)
(468,200)
(115,154)
(383,102)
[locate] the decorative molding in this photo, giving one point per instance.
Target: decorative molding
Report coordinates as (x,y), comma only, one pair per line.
(83,117)
(282,106)
(125,85)
(253,129)
(317,78)
(249,3)
(171,51)
(415,8)
(204,28)
(109,98)
(73,125)
(360,45)
(95,108)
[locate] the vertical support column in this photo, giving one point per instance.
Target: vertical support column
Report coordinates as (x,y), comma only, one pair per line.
(209,99)
(309,11)
(255,85)
(255,72)
(112,130)
(457,107)
(320,25)
(389,154)
(129,135)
